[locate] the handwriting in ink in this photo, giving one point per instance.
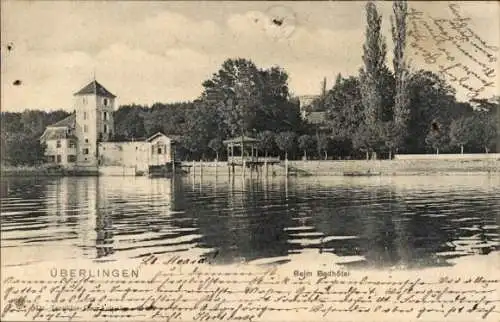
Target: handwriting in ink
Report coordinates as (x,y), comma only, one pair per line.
(202,294)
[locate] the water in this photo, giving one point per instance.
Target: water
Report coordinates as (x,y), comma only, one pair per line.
(408,222)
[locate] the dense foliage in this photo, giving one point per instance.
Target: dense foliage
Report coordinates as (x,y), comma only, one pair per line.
(378,111)
(20,133)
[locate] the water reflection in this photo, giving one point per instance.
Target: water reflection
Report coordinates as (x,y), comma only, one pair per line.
(379,222)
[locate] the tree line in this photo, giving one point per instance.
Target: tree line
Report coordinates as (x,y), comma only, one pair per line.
(379,110)
(20,134)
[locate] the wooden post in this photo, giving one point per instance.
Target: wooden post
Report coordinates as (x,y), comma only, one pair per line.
(201,170)
(194,169)
(243,166)
(286,187)
(172,158)
(172,182)
(286,164)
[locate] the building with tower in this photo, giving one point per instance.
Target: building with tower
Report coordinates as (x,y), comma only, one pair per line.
(94,106)
(84,139)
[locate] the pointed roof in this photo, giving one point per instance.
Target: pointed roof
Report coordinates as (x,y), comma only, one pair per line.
(95,88)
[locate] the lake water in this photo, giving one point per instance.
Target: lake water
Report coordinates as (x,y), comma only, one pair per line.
(381,222)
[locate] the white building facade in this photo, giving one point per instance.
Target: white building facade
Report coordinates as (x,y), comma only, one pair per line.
(84,139)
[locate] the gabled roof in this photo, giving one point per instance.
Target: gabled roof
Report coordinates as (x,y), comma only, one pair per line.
(95,88)
(60,129)
(69,121)
(56,133)
(156,135)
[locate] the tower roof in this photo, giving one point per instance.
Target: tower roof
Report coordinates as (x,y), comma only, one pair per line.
(95,88)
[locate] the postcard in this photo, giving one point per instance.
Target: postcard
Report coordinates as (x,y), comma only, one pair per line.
(250,161)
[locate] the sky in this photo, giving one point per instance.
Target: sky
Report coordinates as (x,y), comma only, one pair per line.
(146,52)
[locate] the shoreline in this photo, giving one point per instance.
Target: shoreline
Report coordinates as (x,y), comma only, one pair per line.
(43,172)
(334,168)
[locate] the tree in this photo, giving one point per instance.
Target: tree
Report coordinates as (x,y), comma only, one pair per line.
(484,130)
(189,143)
(286,141)
(23,149)
(216,145)
(486,122)
(460,132)
(436,137)
(374,52)
(305,143)
(323,143)
(129,122)
(344,108)
(364,139)
(401,72)
(391,134)
(245,98)
(201,127)
(266,141)
(235,93)
(431,98)
(278,112)
(20,135)
(170,119)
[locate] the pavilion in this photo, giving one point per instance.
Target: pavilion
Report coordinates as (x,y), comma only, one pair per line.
(246,146)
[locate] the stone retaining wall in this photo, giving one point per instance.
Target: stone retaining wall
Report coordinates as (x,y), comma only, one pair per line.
(338,168)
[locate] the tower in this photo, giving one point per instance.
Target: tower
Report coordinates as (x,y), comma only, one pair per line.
(94,106)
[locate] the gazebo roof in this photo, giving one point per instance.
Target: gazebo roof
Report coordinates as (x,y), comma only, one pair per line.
(241,139)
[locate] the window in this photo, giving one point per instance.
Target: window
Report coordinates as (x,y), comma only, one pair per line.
(85,128)
(84,100)
(71,158)
(71,144)
(58,158)
(105,128)
(159,150)
(85,151)
(51,158)
(84,115)
(58,143)
(105,102)
(86,140)
(105,116)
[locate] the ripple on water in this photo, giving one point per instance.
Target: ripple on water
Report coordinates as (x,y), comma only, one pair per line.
(354,221)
